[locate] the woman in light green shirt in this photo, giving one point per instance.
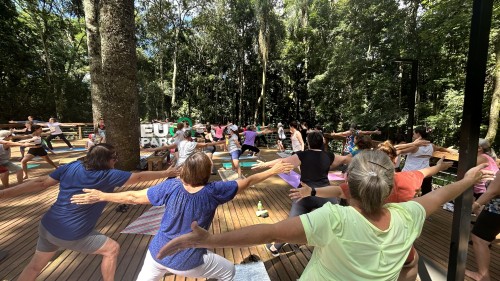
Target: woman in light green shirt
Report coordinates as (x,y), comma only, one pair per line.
(368,240)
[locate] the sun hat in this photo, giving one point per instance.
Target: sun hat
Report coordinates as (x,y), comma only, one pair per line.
(233,128)
(4,134)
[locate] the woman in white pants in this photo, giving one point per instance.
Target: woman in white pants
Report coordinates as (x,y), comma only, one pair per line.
(186,199)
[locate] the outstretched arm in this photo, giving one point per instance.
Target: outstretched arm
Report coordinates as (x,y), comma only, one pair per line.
(205,144)
(290,230)
(440,166)
(294,160)
(278,168)
(165,147)
(444,149)
(376,132)
(92,196)
(324,192)
(432,201)
(172,171)
(35,185)
(341,134)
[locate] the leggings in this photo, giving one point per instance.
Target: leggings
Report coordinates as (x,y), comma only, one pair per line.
(249,147)
(304,206)
(214,266)
(61,136)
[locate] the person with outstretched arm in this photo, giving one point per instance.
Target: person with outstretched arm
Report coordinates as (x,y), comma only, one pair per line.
(189,198)
(369,240)
(70,226)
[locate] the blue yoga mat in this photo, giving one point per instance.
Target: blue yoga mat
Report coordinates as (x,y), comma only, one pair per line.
(31,166)
(242,164)
(242,157)
(66,149)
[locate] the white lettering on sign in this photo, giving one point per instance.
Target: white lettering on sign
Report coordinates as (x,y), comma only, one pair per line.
(154,134)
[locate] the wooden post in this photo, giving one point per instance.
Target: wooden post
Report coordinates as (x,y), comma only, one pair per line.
(469,133)
(80,132)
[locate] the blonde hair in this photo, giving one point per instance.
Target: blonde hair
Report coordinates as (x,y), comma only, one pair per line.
(389,149)
(370,176)
(196,169)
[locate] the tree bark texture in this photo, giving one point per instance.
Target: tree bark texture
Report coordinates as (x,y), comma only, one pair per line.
(495,99)
(91,8)
(119,67)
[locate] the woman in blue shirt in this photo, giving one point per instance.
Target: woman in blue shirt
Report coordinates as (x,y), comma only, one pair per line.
(186,199)
(71,226)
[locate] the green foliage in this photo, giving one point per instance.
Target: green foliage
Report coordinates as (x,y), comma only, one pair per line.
(328,62)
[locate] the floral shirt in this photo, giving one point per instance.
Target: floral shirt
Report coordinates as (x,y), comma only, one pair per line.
(493,206)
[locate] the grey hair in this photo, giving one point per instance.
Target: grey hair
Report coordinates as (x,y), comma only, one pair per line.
(485,145)
(371,177)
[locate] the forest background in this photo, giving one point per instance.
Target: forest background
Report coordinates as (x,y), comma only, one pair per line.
(329,62)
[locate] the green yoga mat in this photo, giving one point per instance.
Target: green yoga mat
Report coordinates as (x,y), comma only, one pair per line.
(242,164)
(31,166)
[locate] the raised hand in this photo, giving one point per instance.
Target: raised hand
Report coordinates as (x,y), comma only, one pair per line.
(298,193)
(444,165)
(477,173)
(172,171)
(90,196)
(195,239)
(281,167)
(259,165)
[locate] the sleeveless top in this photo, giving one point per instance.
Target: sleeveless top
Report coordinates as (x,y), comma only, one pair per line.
(295,142)
(480,187)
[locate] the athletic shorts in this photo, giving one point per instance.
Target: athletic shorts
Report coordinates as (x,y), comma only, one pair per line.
(3,169)
(235,154)
(487,226)
(13,168)
(37,151)
(210,149)
(87,245)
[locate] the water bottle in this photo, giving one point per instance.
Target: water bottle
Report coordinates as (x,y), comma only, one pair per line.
(259,206)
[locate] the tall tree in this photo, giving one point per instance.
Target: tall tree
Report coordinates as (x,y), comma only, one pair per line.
(91,8)
(119,69)
(495,99)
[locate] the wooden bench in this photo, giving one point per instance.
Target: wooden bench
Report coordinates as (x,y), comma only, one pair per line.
(155,162)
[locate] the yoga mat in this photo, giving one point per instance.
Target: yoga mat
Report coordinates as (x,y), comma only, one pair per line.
(66,149)
(292,178)
(31,166)
(148,223)
(243,157)
(335,177)
(251,271)
(242,164)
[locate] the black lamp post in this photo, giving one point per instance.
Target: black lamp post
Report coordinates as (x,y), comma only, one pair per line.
(411,96)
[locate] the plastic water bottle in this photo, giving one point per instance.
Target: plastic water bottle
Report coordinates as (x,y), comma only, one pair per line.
(259,206)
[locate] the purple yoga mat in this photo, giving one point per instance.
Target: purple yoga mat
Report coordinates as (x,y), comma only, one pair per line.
(292,178)
(335,177)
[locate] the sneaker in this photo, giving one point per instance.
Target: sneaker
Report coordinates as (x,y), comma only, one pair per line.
(273,250)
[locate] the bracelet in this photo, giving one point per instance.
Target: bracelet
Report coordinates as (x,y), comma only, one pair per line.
(313,191)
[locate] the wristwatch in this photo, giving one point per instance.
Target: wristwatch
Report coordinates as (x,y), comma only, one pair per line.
(313,191)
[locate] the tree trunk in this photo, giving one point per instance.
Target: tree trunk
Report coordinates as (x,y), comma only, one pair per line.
(174,74)
(263,93)
(495,99)
(119,69)
(91,8)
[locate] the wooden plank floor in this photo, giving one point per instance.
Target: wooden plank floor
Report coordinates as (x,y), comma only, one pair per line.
(19,218)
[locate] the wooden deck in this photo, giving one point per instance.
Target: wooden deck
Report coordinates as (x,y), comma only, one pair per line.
(19,218)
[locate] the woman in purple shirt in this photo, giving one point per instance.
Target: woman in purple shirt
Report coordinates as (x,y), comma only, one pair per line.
(186,199)
(250,135)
